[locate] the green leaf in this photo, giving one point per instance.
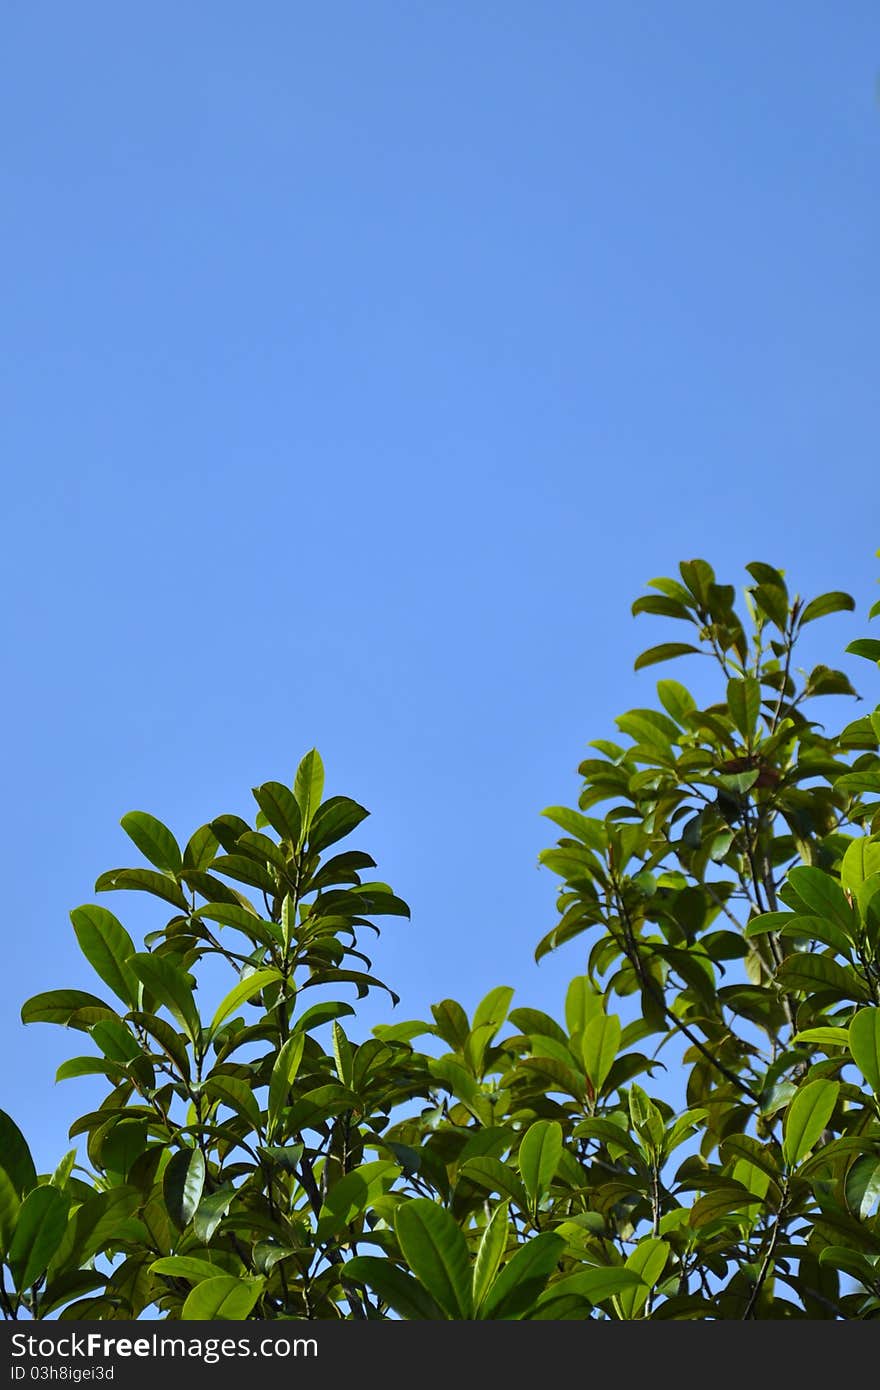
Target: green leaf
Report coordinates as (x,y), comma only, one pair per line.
(333,820)
(648,1261)
(39,1229)
(9,1208)
(677,700)
(490,1251)
(281,810)
(868,647)
(236,1094)
(806,1117)
(60,1006)
(222,1298)
(590,832)
(435,1249)
(185,1267)
(15,1156)
(400,1291)
(522,1279)
(284,1070)
(352,1195)
(308,787)
(601,1040)
(493,1009)
(664,652)
(835,602)
(861,860)
(154,840)
(200,848)
(744,705)
(183,1183)
(495,1176)
(143,880)
(812,974)
(107,947)
(864,1044)
(240,994)
(594,1285)
(171,987)
(259,930)
(582,1003)
(539,1155)
(452,1023)
(211,1211)
(773,601)
(863,1186)
(822,895)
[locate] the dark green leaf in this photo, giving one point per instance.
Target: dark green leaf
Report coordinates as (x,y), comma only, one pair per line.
(182,1185)
(210,1213)
(15,1156)
(335,819)
(61,1006)
(279,806)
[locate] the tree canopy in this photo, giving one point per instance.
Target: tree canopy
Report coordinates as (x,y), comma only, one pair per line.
(697,1138)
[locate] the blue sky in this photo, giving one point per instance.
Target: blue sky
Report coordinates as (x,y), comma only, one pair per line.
(361,363)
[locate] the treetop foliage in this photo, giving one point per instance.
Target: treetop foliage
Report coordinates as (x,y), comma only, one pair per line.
(697,1138)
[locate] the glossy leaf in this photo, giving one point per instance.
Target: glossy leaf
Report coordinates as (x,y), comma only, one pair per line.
(284,1070)
(107,947)
(864,1044)
(241,994)
(490,1253)
(183,1184)
(280,807)
(835,602)
(41,1223)
(15,1156)
(648,1261)
(143,880)
(10,1202)
(61,1006)
(664,652)
(222,1298)
(399,1290)
(154,840)
(806,1118)
(523,1278)
(539,1155)
(436,1252)
(308,787)
(171,987)
(599,1047)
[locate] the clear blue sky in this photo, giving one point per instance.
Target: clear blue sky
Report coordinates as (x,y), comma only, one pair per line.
(360,364)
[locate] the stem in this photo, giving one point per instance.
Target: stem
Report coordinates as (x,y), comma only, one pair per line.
(768,1256)
(631,951)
